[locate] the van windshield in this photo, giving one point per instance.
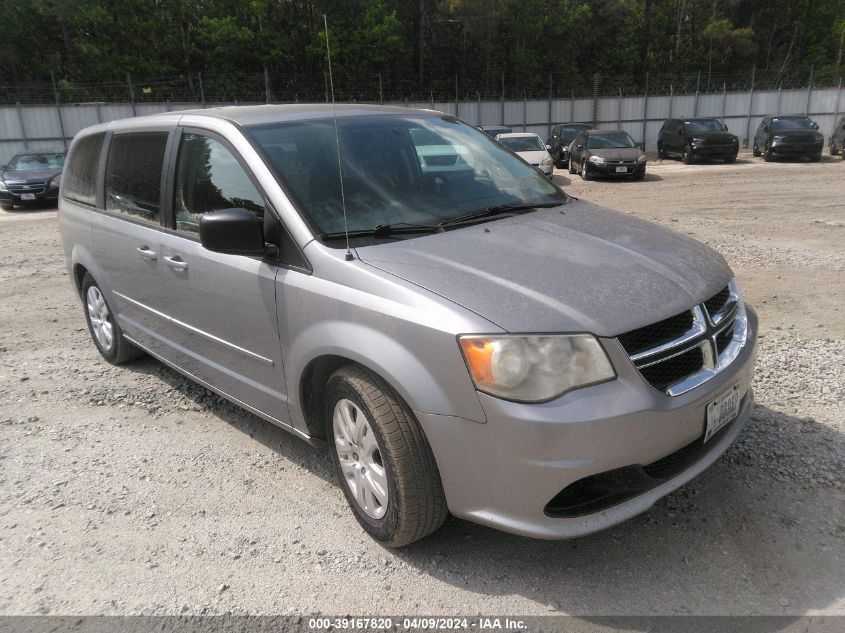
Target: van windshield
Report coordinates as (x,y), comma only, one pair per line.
(397,169)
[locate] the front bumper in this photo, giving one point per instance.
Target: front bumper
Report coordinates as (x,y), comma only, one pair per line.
(608,170)
(504,473)
(798,150)
(45,196)
(714,151)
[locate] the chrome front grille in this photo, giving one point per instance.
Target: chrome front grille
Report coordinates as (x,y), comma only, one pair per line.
(679,353)
(26,187)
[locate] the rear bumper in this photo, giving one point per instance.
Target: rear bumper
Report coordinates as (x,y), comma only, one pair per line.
(505,473)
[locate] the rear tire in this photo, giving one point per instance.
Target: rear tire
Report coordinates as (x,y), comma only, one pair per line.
(105,332)
(382,459)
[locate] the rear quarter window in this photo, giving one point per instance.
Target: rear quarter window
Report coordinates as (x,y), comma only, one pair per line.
(80,173)
(133,174)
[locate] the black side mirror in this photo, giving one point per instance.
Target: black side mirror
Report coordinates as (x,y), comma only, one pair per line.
(641,145)
(232,231)
(724,127)
(815,125)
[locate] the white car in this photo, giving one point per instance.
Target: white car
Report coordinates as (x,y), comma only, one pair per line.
(530,148)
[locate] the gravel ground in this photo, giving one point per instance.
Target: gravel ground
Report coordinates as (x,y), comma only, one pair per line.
(131,490)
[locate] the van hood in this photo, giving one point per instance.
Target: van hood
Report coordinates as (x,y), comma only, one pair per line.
(573,268)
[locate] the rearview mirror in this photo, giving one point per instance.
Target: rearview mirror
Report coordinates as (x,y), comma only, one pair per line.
(232,231)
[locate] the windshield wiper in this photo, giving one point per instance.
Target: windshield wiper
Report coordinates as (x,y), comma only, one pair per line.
(384,230)
(497,210)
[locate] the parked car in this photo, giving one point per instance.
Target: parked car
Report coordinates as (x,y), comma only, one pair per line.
(692,139)
(606,153)
(562,136)
(494,130)
(837,139)
(31,177)
(530,148)
(788,136)
(476,343)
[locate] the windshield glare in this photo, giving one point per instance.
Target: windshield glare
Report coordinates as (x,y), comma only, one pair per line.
(523,143)
(610,140)
(27,162)
(797,123)
(397,169)
(711,125)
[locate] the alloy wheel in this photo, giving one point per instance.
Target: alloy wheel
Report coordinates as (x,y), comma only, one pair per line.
(98,314)
(360,458)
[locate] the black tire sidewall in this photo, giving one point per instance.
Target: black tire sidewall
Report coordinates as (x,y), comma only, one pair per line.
(384,528)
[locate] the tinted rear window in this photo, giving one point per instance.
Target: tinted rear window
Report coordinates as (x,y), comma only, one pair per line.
(133,174)
(80,174)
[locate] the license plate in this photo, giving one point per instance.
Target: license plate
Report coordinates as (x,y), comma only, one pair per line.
(27,196)
(722,410)
(621,170)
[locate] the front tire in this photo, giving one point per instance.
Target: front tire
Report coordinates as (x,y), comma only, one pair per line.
(686,155)
(817,158)
(584,173)
(572,168)
(7,206)
(661,153)
(755,151)
(105,332)
(382,459)
(767,155)
(730,159)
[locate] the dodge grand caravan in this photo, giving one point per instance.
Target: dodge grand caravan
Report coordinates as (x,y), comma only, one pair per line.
(471,340)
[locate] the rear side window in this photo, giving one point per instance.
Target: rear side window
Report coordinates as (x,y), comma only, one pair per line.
(209,178)
(133,174)
(80,173)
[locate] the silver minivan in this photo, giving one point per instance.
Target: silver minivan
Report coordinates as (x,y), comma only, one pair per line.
(393,283)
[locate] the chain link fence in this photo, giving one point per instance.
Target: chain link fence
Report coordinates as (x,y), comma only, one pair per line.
(286,88)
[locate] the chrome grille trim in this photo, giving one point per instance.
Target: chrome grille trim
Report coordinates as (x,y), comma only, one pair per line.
(704,333)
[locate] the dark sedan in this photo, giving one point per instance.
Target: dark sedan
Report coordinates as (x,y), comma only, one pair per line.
(562,136)
(692,139)
(608,153)
(31,177)
(795,136)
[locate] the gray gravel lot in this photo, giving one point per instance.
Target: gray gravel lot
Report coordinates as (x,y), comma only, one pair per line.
(131,490)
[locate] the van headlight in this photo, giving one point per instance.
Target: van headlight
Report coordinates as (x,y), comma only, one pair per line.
(534,368)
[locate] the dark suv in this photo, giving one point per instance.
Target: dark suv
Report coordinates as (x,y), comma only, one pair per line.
(795,136)
(31,177)
(837,139)
(692,139)
(562,136)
